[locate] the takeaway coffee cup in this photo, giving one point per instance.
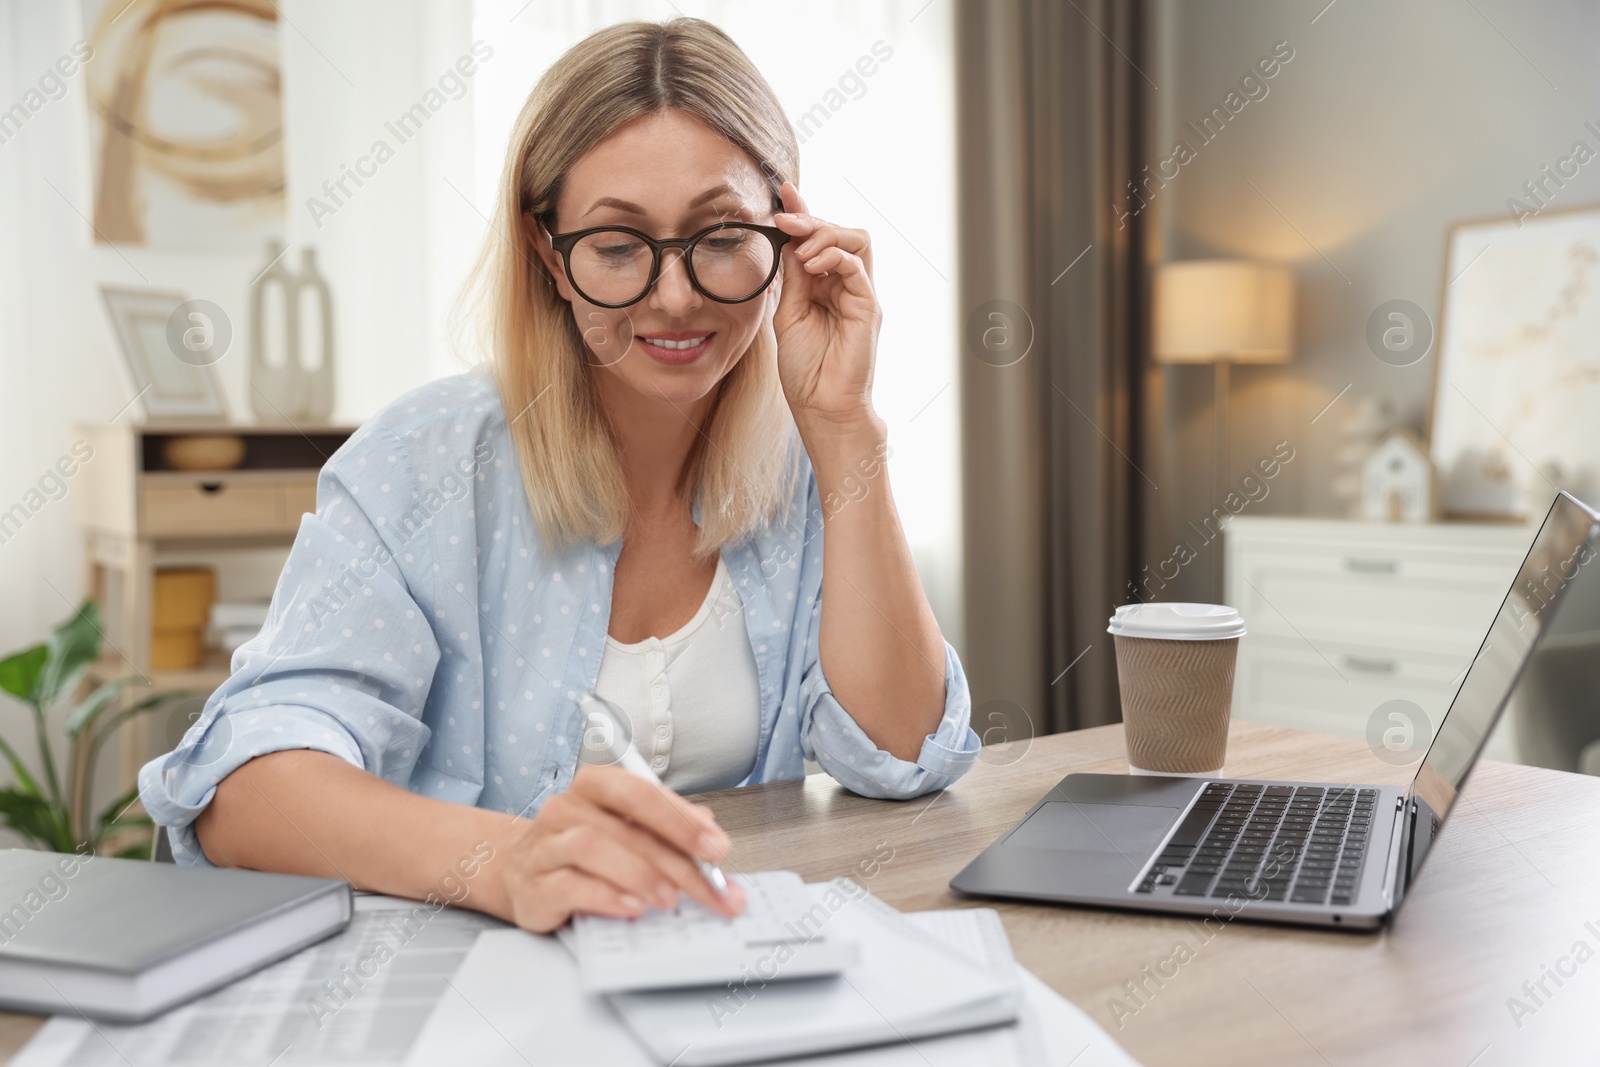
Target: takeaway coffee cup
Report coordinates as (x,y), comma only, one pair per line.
(1175,671)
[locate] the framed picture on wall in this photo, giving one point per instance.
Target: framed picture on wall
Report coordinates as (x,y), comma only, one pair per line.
(1517,376)
(166,386)
(186,132)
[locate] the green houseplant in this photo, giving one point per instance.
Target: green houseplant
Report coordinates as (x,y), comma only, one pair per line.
(56,814)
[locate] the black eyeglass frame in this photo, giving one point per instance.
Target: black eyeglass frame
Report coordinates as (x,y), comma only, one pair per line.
(564,243)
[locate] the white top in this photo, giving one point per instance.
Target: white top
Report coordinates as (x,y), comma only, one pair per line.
(1177,622)
(692,698)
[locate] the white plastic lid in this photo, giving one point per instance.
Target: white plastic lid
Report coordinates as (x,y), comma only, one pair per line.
(1177,622)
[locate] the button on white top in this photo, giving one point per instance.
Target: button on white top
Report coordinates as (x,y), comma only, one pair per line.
(692,698)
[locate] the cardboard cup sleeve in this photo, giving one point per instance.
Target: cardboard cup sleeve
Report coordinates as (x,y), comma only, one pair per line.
(1176,698)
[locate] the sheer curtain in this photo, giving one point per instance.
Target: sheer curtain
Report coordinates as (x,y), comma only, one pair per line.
(877,151)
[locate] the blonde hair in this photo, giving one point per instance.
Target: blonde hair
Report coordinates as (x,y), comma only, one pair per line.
(743,464)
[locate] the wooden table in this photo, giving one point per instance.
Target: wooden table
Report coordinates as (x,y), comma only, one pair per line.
(1507,893)
(1508,889)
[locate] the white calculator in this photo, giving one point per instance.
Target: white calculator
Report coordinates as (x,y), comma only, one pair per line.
(782,933)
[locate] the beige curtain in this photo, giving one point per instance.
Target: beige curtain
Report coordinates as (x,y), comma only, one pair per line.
(1050,111)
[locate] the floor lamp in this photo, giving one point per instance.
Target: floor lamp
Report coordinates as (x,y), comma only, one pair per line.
(1222,312)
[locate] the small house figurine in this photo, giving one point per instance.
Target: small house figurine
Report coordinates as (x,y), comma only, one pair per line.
(1397,481)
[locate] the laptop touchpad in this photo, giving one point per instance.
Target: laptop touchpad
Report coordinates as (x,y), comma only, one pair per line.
(1131,829)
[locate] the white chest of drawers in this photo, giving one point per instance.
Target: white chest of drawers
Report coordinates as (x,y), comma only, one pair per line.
(1344,616)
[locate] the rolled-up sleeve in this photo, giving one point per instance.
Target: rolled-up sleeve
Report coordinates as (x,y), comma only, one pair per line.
(343,664)
(832,737)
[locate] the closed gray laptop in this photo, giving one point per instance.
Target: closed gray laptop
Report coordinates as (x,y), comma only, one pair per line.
(126,939)
(1295,852)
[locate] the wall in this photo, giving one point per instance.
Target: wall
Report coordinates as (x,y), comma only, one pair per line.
(1391,121)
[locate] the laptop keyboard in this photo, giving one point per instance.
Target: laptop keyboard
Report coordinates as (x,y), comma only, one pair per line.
(1302,844)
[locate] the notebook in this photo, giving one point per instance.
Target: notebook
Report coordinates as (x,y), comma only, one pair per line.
(907,985)
(127,939)
(782,933)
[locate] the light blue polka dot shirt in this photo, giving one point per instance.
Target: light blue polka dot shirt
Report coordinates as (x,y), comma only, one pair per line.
(421,632)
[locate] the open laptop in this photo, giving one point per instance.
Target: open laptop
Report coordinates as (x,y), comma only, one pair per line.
(1309,853)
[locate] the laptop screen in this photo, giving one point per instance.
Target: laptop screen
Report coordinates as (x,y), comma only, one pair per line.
(1559,566)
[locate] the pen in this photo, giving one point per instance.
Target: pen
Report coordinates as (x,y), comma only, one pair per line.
(635,764)
(630,760)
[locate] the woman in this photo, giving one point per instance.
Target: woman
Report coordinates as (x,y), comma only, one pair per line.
(623,506)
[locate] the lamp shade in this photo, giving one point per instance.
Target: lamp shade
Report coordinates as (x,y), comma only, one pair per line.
(1215,310)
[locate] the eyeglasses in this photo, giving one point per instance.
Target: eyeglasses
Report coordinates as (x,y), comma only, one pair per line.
(614,266)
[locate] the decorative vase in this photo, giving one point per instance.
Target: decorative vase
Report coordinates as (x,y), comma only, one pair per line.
(316,378)
(285,385)
(273,369)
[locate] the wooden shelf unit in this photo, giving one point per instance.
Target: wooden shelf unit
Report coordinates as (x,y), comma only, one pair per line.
(132,505)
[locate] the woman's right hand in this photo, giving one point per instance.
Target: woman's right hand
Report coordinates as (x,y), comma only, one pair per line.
(612,844)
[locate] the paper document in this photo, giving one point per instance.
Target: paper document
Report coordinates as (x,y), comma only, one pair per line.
(516,1001)
(359,997)
(446,995)
(1051,1026)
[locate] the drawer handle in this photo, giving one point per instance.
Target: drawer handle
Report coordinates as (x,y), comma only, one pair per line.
(211,488)
(1370,665)
(1371,566)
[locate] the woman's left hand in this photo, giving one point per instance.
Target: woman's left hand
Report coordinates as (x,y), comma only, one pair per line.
(827,319)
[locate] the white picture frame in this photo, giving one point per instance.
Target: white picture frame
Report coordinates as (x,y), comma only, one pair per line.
(1517,371)
(165,386)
